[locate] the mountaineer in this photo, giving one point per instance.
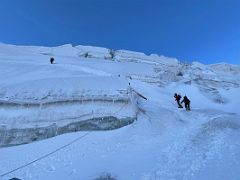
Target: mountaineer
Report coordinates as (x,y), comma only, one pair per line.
(178,98)
(51,60)
(187,103)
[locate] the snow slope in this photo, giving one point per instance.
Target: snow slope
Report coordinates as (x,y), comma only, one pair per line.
(164,143)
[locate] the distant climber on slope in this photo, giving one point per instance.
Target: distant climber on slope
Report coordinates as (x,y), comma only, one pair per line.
(51,60)
(178,98)
(187,103)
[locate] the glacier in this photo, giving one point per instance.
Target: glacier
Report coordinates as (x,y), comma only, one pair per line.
(90,89)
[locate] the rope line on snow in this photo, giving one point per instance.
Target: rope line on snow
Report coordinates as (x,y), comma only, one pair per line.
(140,95)
(120,109)
(46,155)
(56,150)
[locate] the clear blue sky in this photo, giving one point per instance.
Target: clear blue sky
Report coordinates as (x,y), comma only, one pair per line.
(204,30)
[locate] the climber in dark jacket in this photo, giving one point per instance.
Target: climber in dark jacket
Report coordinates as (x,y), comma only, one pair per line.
(51,60)
(178,98)
(187,103)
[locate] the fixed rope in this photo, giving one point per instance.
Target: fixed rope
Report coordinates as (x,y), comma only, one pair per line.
(56,150)
(46,155)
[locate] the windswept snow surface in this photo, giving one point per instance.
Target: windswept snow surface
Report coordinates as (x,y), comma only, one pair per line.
(164,143)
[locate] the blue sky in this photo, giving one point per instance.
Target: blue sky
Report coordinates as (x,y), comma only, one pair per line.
(191,30)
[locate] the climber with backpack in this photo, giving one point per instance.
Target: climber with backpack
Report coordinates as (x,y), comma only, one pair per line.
(187,103)
(178,98)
